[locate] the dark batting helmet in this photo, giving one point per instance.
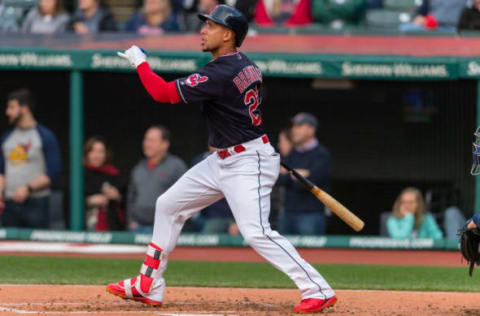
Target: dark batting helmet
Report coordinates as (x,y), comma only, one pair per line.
(231,18)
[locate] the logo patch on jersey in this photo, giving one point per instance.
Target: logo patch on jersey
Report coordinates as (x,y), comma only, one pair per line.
(195,79)
(19,155)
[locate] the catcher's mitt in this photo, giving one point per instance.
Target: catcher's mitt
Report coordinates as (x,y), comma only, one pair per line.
(469,245)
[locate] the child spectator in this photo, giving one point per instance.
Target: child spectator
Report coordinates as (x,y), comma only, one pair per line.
(102,188)
(283,12)
(46,18)
(154,18)
(410,219)
(91,17)
(470,17)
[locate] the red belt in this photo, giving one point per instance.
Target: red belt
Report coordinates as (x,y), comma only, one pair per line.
(237,149)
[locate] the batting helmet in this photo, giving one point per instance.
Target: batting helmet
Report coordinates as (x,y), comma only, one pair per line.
(230,18)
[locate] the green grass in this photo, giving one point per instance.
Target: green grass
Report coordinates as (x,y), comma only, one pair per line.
(51,270)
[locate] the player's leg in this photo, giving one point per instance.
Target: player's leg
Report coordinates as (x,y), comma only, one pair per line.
(195,190)
(247,184)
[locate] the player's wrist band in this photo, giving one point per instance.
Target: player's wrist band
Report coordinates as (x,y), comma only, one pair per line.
(29,188)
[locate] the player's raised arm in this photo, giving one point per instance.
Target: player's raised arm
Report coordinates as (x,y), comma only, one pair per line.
(159,89)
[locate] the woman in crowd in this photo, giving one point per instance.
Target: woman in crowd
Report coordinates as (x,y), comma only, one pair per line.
(90,17)
(410,219)
(47,18)
(155,17)
(102,188)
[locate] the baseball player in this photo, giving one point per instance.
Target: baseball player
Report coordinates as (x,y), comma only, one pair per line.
(470,232)
(243,169)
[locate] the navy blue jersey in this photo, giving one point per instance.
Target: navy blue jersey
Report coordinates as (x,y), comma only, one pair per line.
(228,88)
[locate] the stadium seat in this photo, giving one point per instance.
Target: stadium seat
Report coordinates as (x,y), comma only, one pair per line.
(402,5)
(386,19)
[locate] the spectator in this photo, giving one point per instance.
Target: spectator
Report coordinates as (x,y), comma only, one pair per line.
(150,178)
(29,163)
(102,188)
(338,14)
(46,18)
(8,20)
(154,18)
(216,218)
(440,15)
(470,17)
(304,213)
(283,12)
(410,219)
(190,18)
(90,17)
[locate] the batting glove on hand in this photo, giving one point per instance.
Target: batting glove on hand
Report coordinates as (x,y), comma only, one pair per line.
(134,55)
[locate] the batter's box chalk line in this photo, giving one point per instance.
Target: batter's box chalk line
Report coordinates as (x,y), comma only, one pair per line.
(21,311)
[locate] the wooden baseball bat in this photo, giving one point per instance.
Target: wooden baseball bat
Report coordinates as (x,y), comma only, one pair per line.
(341,211)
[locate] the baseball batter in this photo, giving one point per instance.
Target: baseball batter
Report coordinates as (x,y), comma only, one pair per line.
(243,169)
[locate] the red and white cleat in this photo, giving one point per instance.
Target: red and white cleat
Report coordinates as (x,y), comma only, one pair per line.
(313,305)
(126,289)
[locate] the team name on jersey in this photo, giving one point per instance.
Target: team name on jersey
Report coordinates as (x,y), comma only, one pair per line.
(246,77)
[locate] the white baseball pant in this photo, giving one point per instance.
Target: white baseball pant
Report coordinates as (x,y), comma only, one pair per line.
(245,179)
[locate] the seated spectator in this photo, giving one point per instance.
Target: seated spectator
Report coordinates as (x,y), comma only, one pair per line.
(470,17)
(216,218)
(410,219)
(8,20)
(46,18)
(150,178)
(283,12)
(191,22)
(304,213)
(338,13)
(440,15)
(102,188)
(29,162)
(154,18)
(90,17)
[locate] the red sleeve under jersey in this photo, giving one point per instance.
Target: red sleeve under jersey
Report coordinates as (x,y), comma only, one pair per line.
(159,89)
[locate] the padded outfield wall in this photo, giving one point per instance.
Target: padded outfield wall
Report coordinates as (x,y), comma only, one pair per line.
(390,118)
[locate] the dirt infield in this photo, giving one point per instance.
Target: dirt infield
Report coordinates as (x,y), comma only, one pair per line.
(94,300)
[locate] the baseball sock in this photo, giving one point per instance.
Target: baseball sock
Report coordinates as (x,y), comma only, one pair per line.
(150,268)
